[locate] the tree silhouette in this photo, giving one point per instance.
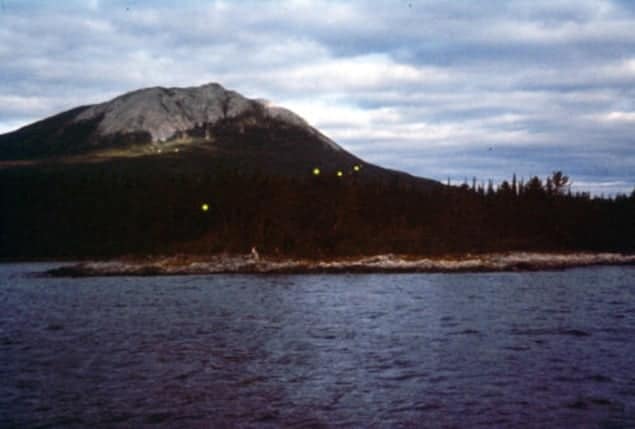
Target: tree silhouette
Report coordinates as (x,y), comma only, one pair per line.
(560,183)
(534,187)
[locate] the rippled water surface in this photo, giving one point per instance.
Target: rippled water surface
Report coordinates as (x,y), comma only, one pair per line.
(540,349)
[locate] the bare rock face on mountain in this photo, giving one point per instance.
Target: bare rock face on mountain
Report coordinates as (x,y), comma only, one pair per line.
(163,113)
(151,116)
(170,113)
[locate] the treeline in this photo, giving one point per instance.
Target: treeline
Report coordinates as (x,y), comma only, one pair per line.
(555,185)
(100,212)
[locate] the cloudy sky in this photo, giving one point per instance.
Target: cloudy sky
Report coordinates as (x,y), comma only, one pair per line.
(439,89)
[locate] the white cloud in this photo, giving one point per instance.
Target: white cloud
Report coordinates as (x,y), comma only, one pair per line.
(362,72)
(615,117)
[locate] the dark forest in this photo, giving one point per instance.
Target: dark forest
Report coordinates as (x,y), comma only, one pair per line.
(67,213)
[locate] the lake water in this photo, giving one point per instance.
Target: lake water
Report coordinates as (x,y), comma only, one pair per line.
(535,350)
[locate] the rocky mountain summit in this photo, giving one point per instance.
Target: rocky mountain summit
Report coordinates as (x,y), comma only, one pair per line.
(149,116)
(169,113)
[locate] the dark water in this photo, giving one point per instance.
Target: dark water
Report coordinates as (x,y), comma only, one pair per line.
(536,350)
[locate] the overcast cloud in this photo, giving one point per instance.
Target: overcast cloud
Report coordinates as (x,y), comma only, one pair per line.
(438,89)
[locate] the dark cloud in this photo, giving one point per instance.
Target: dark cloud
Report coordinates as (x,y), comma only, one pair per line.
(436,88)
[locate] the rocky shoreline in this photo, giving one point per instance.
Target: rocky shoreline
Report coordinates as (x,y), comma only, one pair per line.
(245,264)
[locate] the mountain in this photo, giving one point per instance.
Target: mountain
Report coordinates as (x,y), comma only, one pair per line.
(132,175)
(203,127)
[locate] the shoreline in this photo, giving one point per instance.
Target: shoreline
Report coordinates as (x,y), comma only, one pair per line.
(388,263)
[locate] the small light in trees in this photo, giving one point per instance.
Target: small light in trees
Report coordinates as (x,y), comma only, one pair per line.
(204,207)
(316,171)
(357,167)
(340,174)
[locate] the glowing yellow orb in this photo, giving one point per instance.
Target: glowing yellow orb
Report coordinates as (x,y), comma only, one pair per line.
(316,171)
(204,207)
(340,174)
(356,167)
